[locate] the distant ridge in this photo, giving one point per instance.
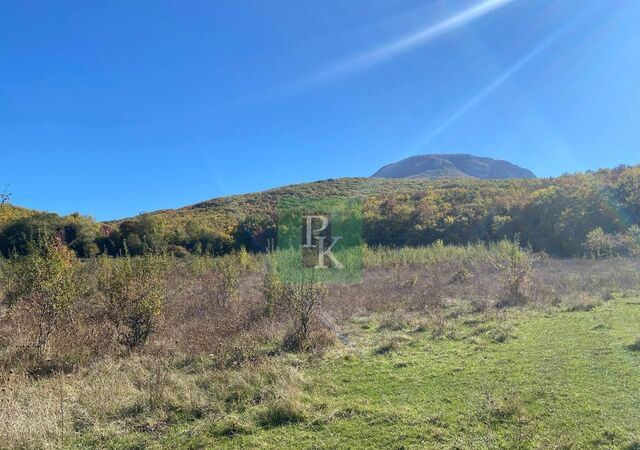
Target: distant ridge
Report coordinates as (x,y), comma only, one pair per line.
(453,166)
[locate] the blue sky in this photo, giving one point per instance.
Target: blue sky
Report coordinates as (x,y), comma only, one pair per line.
(119,107)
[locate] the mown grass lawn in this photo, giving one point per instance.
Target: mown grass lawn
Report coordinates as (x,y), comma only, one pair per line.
(521,379)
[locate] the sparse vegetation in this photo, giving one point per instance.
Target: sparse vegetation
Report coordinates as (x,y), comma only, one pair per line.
(285,364)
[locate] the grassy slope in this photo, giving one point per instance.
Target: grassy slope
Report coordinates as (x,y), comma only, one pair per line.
(559,379)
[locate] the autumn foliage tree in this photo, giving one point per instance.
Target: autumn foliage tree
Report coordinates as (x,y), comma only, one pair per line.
(45,283)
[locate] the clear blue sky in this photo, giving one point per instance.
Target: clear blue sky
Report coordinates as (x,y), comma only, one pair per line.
(112,108)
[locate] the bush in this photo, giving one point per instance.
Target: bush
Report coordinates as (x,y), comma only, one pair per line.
(76,231)
(272,287)
(45,283)
(515,265)
(605,245)
(134,293)
(220,287)
(301,301)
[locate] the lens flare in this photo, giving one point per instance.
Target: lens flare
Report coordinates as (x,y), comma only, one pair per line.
(390,50)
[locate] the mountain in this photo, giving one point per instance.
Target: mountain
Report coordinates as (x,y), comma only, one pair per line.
(452,166)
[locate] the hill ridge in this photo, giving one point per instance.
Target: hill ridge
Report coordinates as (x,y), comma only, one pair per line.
(453,165)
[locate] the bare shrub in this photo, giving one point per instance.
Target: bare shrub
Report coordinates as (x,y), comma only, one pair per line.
(299,303)
(221,287)
(193,325)
(462,276)
(158,385)
(558,282)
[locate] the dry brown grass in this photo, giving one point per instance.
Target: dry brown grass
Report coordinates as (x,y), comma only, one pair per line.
(140,393)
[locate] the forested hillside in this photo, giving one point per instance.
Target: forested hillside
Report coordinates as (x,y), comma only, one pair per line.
(9,213)
(555,215)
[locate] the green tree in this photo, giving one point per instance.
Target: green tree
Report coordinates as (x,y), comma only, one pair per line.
(45,282)
(134,290)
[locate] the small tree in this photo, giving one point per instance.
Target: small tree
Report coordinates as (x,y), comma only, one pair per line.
(515,265)
(5,196)
(45,281)
(301,301)
(599,244)
(134,290)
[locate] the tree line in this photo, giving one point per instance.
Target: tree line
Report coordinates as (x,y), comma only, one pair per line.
(572,215)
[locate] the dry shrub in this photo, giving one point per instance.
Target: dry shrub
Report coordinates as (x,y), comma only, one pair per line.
(515,265)
(272,286)
(301,304)
(301,301)
(555,281)
(221,287)
(134,291)
(194,325)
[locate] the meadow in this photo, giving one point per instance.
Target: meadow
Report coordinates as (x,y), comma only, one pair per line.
(481,346)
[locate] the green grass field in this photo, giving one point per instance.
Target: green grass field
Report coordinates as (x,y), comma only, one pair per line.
(513,379)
